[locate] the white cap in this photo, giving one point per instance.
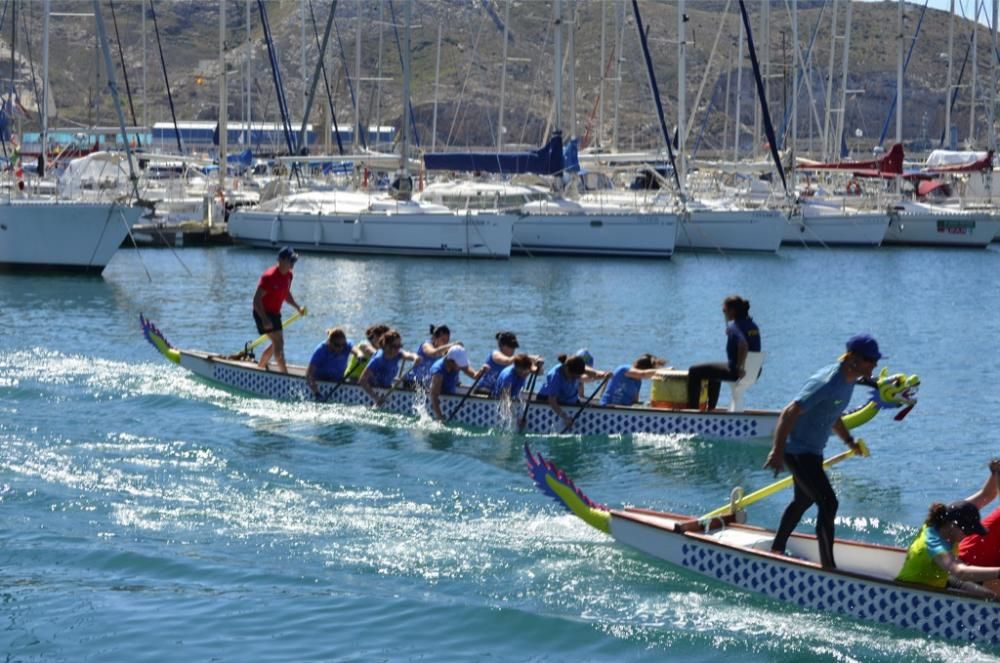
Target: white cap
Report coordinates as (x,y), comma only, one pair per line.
(458,355)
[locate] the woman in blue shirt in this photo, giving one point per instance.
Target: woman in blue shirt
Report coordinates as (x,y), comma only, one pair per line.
(444,376)
(562,384)
(626,381)
(511,379)
(435,347)
(742,336)
(498,360)
(383,367)
(329,360)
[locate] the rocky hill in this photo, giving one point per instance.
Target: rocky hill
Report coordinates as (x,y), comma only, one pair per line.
(468,97)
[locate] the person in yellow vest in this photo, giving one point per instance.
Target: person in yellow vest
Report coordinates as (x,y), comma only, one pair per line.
(932,558)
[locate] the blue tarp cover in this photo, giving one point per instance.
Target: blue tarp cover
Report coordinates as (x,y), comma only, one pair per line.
(545,161)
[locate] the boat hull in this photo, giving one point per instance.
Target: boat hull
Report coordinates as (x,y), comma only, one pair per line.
(758,231)
(464,236)
(487,413)
(633,235)
(835,229)
(942,228)
(62,236)
(861,587)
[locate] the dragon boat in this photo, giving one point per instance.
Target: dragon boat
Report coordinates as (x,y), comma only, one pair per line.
(477,410)
(862,586)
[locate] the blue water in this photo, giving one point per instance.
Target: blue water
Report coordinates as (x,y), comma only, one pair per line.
(147,515)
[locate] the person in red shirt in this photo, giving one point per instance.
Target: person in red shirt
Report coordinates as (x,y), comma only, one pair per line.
(984,550)
(273,289)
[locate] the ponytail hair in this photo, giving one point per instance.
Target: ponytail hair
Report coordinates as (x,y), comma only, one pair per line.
(438,331)
(645,362)
(738,305)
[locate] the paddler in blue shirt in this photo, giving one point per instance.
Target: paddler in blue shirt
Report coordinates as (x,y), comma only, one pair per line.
(626,381)
(802,432)
(445,375)
(383,367)
(510,382)
(564,383)
(435,347)
(329,360)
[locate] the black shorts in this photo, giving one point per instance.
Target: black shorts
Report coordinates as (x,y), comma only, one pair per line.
(275,319)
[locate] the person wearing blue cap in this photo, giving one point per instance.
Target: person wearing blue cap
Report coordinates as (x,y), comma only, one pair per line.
(802,432)
(742,336)
(273,289)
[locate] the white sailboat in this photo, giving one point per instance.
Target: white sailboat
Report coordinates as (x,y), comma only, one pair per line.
(49,234)
(375,223)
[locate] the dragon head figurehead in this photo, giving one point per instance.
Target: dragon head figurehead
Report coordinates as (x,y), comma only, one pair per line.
(888,392)
(897,390)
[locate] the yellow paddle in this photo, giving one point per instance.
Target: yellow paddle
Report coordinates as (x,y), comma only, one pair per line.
(742,502)
(245,352)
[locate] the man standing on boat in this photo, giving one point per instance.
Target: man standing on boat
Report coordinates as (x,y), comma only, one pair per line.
(802,432)
(273,289)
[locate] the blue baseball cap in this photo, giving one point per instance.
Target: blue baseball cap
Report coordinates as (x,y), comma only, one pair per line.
(289,254)
(585,355)
(864,345)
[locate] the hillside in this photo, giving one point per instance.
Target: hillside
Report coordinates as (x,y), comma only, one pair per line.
(470,67)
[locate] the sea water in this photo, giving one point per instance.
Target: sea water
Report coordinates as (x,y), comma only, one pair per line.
(149,515)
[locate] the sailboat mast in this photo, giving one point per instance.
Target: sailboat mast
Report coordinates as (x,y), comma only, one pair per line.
(681,93)
(739,94)
(503,72)
(223,100)
(406,89)
(951,67)
(45,84)
(557,73)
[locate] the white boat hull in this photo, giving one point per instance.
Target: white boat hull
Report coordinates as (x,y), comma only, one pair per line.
(62,236)
(487,413)
(862,586)
(446,234)
(636,235)
(813,227)
(723,230)
(937,227)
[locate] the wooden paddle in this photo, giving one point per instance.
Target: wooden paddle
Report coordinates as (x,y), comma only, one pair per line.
(742,502)
(531,388)
(248,348)
(462,402)
(586,403)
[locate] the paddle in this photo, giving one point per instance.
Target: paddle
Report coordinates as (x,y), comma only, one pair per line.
(742,502)
(395,383)
(248,348)
(586,403)
(531,388)
(462,402)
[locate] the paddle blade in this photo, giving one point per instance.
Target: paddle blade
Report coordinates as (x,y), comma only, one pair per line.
(553,482)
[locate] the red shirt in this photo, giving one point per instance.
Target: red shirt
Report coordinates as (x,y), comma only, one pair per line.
(977,550)
(276,287)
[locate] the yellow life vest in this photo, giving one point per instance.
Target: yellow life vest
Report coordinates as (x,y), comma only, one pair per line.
(919,566)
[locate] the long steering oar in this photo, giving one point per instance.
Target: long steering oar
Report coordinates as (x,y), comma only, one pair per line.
(586,403)
(464,398)
(746,500)
(245,352)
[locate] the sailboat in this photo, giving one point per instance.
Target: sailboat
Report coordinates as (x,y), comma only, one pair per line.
(375,222)
(49,234)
